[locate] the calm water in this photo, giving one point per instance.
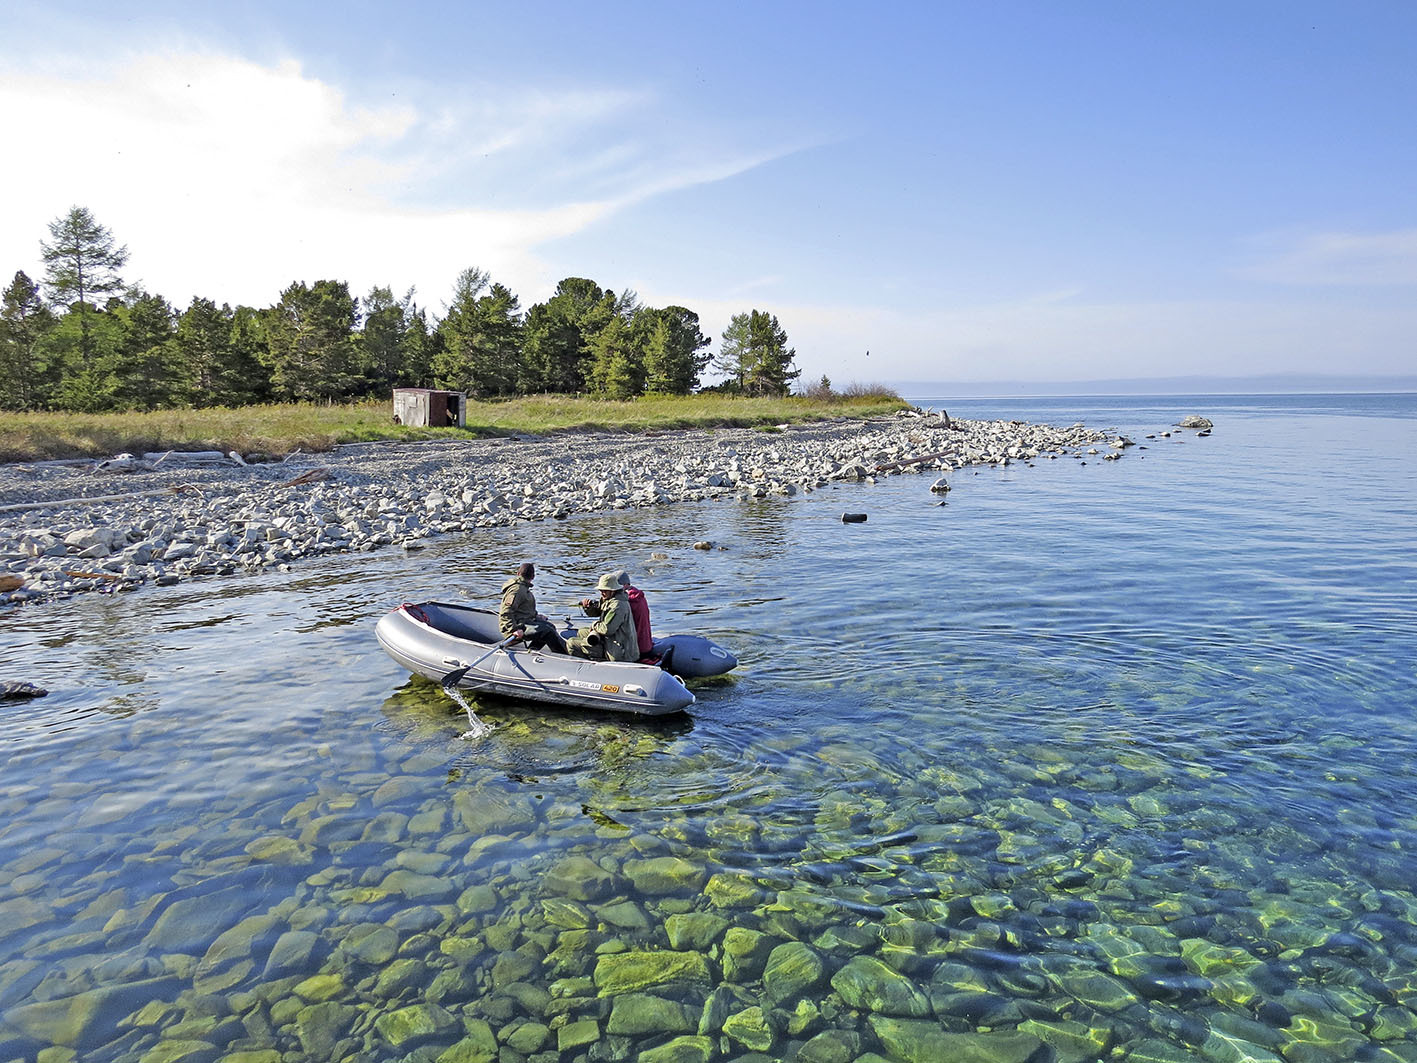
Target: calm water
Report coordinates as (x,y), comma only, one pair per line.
(1098,760)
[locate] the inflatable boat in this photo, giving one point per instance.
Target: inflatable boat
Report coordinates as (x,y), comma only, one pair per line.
(462,646)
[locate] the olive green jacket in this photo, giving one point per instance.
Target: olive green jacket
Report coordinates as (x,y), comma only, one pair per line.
(518,605)
(616,627)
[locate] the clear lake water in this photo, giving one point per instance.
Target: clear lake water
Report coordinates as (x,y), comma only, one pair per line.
(1096,760)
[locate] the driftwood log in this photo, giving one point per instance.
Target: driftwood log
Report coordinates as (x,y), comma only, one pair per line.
(884,466)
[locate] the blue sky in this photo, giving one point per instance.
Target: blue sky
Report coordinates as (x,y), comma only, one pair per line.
(1005,191)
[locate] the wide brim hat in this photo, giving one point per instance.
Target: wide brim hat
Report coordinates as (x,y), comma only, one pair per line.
(608,582)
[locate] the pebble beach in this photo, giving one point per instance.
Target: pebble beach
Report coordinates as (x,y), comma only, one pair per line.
(121,523)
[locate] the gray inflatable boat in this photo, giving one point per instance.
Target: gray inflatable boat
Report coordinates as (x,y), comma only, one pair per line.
(462,645)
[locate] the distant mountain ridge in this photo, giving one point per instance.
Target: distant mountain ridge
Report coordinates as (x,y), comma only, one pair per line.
(1268,384)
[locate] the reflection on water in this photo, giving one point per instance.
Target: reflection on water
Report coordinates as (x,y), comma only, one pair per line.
(1099,761)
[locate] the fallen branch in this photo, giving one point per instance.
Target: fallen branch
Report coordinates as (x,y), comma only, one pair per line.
(76,573)
(310,476)
(913,461)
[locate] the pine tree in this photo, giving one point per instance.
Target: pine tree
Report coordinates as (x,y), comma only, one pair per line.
(24,321)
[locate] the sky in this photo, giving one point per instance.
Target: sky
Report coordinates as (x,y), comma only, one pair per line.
(946,192)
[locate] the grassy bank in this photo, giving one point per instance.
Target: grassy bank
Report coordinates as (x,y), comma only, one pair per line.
(279,429)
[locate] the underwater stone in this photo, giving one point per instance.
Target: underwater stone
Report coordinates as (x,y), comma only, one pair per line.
(915,1041)
(186,925)
(398,976)
(732,889)
(566,914)
(579,878)
(744,953)
(575,1034)
(680,1050)
(792,970)
(750,1029)
(1096,989)
(665,875)
(694,931)
(397,789)
(319,988)
(511,967)
(418,887)
(805,1017)
(293,951)
(321,1026)
(88,1019)
(1151,1050)
(868,984)
(180,1051)
(1072,1042)
(528,1038)
(239,942)
(477,899)
(370,943)
(278,849)
(479,1046)
(629,972)
(831,1046)
(1208,959)
(417,1022)
(641,1013)
(717,1007)
(1223,1046)
(627,915)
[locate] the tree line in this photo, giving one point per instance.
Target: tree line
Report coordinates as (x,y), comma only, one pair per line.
(84,340)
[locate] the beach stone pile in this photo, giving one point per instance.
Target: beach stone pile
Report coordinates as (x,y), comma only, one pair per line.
(169,524)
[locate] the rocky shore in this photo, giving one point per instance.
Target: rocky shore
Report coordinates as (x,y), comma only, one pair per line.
(71,527)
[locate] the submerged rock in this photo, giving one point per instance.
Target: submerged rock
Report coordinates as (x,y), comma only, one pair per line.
(630,972)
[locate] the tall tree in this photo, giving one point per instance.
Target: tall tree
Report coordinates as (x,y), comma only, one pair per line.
(422,347)
(145,365)
(24,320)
(754,354)
(558,333)
(385,338)
(616,368)
(248,377)
(217,356)
(311,350)
(82,265)
(734,352)
(481,337)
(674,350)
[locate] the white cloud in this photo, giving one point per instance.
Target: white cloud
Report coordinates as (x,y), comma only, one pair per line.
(230,178)
(1336,258)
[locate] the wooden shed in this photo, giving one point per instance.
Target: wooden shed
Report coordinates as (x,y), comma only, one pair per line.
(435,409)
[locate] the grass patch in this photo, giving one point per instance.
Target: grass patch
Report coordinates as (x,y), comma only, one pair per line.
(280,429)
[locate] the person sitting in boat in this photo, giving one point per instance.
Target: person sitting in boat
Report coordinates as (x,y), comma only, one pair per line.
(518,615)
(612,637)
(639,610)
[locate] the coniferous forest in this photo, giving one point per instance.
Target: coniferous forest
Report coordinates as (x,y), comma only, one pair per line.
(82,339)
